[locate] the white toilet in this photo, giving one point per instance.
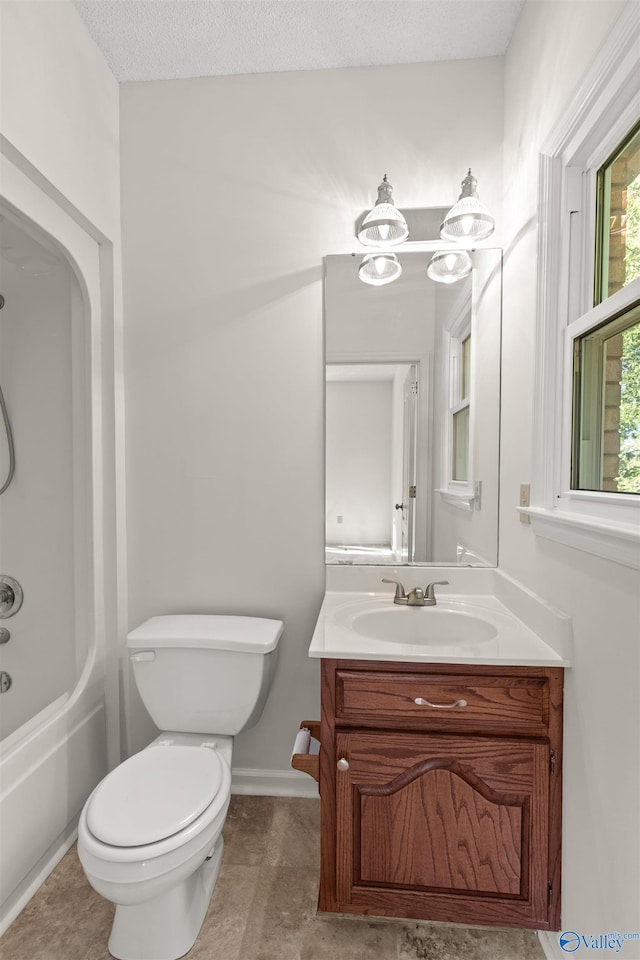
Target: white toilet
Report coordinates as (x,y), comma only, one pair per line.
(150,834)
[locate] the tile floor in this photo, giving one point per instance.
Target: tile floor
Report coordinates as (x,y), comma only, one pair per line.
(263,907)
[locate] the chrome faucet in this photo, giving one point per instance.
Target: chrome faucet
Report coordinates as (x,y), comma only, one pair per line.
(400,595)
(416,597)
(430,593)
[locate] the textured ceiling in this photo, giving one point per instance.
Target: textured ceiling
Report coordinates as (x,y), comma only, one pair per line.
(170,39)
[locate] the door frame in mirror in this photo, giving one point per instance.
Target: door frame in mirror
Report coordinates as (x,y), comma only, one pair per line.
(424,377)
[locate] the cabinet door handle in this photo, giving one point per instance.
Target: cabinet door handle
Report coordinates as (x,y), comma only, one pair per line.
(342,764)
(440,706)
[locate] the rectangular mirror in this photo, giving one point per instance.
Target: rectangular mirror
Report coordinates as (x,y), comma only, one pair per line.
(413,414)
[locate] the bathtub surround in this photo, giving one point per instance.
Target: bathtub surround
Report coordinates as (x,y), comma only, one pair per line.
(263,908)
(37,343)
(224,370)
(53,539)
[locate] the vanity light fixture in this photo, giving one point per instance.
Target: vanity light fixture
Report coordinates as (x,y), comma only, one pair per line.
(383,226)
(379,268)
(448,266)
(469,219)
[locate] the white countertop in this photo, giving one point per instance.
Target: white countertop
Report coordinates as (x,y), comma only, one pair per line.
(511,643)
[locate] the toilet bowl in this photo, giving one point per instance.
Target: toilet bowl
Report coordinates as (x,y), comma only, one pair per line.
(150,841)
(150,834)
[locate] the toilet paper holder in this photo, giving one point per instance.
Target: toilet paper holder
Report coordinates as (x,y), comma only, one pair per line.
(308,762)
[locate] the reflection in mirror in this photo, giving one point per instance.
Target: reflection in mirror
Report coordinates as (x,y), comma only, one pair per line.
(412,414)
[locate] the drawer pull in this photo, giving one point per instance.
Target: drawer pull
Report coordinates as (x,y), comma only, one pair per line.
(440,706)
(342,764)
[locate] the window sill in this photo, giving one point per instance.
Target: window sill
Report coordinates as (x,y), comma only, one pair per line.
(464,501)
(615,541)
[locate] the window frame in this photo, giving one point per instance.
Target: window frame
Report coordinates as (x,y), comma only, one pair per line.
(605,109)
(614,309)
(615,305)
(458,493)
(459,400)
(603,214)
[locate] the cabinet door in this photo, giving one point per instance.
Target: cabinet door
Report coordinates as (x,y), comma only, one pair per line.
(443,827)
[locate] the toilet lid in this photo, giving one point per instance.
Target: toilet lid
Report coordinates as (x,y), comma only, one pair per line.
(154,794)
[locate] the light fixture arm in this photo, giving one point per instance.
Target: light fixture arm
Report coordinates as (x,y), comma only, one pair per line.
(469,185)
(385,192)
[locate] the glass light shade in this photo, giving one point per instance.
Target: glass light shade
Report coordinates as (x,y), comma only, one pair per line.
(379,268)
(469,219)
(448,266)
(383,226)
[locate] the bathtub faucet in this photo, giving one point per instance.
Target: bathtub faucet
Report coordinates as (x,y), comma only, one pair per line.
(10,596)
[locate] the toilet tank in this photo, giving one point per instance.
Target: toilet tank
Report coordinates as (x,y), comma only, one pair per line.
(204,673)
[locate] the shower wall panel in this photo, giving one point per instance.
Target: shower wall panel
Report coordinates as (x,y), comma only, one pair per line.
(37,522)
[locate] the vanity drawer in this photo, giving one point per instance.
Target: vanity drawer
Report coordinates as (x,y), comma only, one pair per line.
(438,701)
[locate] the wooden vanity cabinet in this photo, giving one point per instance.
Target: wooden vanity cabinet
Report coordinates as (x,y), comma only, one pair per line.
(440,791)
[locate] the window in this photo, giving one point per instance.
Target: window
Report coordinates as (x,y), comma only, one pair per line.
(606,406)
(460,410)
(618,219)
(457,409)
(585,482)
(606,358)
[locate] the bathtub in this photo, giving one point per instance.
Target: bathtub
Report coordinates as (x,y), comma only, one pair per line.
(60,716)
(47,770)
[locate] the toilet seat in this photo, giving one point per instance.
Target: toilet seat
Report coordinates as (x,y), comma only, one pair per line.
(155,794)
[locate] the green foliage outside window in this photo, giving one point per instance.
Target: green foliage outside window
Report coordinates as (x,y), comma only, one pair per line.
(632,252)
(628,479)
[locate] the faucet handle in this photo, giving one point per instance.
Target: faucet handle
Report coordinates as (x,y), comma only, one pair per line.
(429,590)
(400,594)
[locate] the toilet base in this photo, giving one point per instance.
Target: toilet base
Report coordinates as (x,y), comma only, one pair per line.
(167,926)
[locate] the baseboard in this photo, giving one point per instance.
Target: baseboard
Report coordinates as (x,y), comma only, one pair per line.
(549,943)
(273,783)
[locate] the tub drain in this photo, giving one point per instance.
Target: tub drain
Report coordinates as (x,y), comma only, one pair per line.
(5,681)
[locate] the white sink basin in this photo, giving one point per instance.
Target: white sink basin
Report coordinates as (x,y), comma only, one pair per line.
(460,628)
(418,625)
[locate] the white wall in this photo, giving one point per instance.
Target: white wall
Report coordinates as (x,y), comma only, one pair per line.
(553,46)
(358,462)
(233,191)
(60,105)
